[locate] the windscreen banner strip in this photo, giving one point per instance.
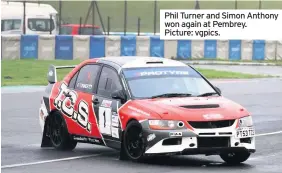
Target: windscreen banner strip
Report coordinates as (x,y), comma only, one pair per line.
(160,72)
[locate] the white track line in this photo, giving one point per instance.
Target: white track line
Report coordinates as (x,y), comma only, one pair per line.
(267,134)
(50,161)
(95,155)
(263,157)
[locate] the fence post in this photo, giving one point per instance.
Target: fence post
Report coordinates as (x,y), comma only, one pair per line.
(60,16)
(138,25)
(197,6)
(80,23)
(100,16)
(108,25)
(93,17)
(155,17)
(24,17)
(125,16)
(88,13)
(260,4)
(50,24)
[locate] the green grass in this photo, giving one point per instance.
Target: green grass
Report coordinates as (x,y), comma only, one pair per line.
(276,62)
(34,72)
(73,10)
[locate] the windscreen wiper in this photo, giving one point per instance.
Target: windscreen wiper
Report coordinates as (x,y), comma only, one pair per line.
(167,95)
(207,94)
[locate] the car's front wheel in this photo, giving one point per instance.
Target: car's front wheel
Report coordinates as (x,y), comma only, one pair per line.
(235,157)
(58,133)
(133,145)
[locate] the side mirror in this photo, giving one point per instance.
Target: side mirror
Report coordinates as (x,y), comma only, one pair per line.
(218,90)
(119,94)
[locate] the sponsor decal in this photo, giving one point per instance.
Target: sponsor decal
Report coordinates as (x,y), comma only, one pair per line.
(175,101)
(66,105)
(138,110)
(79,138)
(159,73)
(87,139)
(115,119)
(92,140)
(106,103)
(151,137)
(175,134)
(213,116)
(50,73)
(84,86)
(115,132)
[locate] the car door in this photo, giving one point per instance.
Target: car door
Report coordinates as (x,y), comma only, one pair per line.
(82,85)
(106,107)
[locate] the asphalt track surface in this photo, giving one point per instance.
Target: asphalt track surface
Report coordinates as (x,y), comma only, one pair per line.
(21,136)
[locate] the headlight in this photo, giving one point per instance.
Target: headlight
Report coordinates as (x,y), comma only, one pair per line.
(246,121)
(166,124)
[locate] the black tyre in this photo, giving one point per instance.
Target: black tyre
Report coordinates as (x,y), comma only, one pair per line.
(236,157)
(133,144)
(59,135)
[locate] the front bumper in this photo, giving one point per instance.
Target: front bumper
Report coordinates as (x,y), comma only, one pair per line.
(202,141)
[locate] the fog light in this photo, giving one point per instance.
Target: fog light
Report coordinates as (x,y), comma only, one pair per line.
(192,145)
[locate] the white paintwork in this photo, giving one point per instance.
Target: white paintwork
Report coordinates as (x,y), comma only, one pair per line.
(186,141)
(14,10)
(142,62)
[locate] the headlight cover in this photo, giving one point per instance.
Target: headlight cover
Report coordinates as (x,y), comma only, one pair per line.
(246,121)
(166,125)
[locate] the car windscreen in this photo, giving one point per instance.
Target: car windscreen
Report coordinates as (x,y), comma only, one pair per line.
(89,31)
(40,24)
(149,82)
(66,30)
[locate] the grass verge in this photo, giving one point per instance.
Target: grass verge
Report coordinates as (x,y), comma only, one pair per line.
(34,72)
(276,62)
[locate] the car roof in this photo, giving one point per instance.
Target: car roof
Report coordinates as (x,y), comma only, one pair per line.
(141,61)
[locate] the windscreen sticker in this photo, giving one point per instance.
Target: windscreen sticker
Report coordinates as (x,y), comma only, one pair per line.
(155,72)
(159,73)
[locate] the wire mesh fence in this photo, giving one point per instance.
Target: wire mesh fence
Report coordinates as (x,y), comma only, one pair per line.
(143,16)
(135,16)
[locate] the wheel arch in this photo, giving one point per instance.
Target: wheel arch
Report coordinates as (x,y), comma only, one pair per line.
(124,128)
(58,112)
(45,138)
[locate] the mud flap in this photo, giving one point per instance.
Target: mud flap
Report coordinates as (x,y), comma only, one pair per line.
(46,142)
(122,154)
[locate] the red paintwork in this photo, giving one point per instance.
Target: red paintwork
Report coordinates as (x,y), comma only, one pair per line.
(169,109)
(75,27)
(161,108)
(73,127)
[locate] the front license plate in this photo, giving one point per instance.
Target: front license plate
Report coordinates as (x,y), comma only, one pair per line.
(245,133)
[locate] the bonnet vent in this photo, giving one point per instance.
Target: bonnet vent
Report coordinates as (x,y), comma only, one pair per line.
(154,62)
(200,106)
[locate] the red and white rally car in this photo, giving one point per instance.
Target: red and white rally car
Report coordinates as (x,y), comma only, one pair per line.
(143,106)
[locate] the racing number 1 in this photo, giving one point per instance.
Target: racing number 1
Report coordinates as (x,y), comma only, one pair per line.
(105,120)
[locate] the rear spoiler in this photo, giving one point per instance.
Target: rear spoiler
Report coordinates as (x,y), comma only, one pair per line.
(52,72)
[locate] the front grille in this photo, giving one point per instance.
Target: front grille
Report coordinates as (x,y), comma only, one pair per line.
(213,142)
(211,124)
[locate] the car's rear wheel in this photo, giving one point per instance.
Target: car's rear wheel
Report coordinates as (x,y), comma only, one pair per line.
(133,145)
(59,135)
(235,157)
